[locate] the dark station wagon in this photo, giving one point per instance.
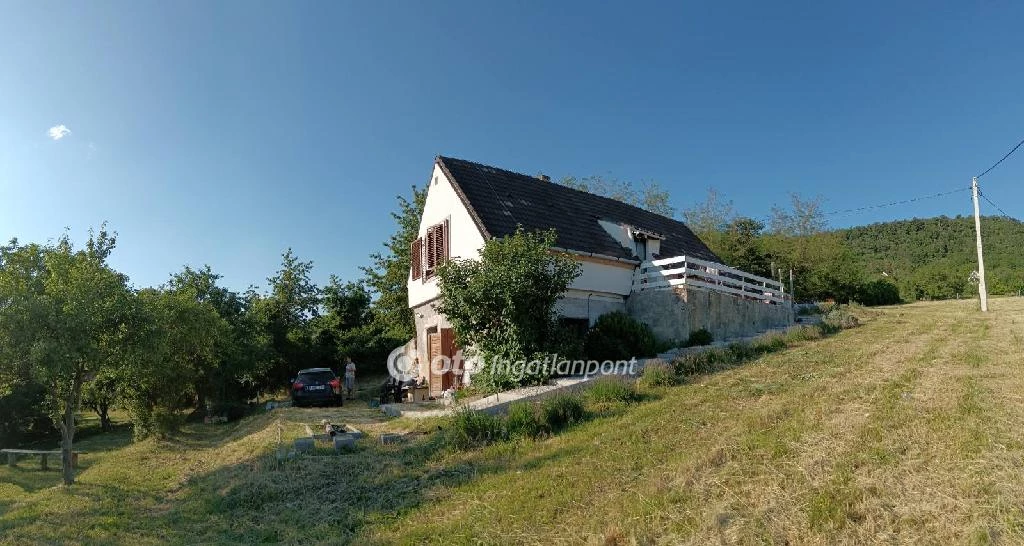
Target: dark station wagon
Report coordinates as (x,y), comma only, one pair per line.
(316,386)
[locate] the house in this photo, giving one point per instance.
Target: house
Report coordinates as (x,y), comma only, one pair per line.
(632,260)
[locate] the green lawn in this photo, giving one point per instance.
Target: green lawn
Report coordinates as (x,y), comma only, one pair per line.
(905,429)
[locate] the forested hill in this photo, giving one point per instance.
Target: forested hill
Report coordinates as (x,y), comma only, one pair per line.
(934,257)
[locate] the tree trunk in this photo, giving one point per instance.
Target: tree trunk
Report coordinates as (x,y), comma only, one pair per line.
(104,411)
(67,430)
(67,437)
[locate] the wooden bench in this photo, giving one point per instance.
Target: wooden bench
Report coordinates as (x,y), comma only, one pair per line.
(44,454)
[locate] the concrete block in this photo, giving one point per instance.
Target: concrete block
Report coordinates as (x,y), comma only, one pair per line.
(388,439)
(344,442)
(304,445)
(354,432)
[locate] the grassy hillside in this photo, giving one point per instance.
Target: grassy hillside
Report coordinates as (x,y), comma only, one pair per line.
(905,429)
(933,257)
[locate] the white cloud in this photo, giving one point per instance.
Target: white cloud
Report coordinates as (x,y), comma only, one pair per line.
(58,132)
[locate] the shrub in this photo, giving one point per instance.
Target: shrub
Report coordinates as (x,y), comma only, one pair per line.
(468,428)
(562,410)
(877,292)
(769,343)
(739,351)
(522,421)
(614,390)
(658,374)
(567,338)
(711,360)
(22,414)
(699,337)
(839,318)
(802,333)
(808,309)
(617,336)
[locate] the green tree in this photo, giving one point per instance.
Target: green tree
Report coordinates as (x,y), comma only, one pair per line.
(348,302)
(286,312)
(387,279)
(709,219)
(742,247)
(710,216)
(177,339)
(503,304)
(63,316)
(345,328)
(803,218)
(241,348)
(100,395)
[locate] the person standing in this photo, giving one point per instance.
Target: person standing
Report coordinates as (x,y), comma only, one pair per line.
(350,376)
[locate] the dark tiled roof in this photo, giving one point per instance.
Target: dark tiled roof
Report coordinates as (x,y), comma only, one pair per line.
(499,200)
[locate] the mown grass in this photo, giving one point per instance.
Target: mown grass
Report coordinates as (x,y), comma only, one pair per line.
(903,430)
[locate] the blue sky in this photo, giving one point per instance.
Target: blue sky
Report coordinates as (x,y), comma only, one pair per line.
(225,132)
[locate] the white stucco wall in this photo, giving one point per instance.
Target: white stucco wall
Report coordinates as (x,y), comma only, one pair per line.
(604,277)
(464,237)
(466,241)
(584,304)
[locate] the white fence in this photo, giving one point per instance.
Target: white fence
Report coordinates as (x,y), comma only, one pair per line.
(684,271)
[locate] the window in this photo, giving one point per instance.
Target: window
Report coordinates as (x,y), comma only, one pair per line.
(430,251)
(436,251)
(640,248)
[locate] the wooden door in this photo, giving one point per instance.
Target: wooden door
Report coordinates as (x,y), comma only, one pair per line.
(436,378)
(448,349)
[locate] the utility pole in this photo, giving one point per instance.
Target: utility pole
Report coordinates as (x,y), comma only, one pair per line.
(981,260)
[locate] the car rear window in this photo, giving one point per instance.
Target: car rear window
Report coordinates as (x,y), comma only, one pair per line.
(316,377)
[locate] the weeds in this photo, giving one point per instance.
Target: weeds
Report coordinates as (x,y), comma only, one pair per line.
(658,374)
(562,410)
(469,428)
(522,421)
(612,390)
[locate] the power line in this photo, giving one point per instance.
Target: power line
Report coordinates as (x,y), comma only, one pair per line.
(900,202)
(985,197)
(1008,154)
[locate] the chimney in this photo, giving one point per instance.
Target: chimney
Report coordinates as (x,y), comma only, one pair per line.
(544,177)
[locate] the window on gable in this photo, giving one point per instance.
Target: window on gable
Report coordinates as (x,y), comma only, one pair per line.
(640,248)
(436,249)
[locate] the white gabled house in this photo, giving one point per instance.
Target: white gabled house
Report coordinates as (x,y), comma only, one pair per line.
(633,260)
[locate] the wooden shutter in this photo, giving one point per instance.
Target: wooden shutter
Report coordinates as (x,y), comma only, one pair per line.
(445,252)
(448,348)
(436,249)
(428,255)
(416,258)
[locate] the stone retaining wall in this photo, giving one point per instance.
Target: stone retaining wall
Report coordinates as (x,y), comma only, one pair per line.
(673,314)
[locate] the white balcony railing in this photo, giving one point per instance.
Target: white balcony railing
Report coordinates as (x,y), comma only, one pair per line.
(684,271)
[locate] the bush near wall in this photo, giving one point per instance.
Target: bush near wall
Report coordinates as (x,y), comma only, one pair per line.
(618,336)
